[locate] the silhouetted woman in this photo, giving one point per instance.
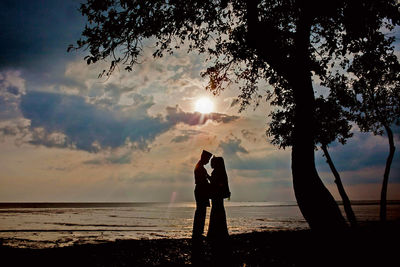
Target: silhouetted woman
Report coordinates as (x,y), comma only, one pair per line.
(218,229)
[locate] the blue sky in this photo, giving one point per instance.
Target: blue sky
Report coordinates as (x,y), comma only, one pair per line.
(66,135)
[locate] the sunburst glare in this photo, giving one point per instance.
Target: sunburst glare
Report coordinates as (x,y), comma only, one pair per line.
(204,105)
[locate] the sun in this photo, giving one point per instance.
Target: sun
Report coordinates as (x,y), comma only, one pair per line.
(204,105)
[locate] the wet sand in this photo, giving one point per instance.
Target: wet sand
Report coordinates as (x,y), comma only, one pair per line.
(371,245)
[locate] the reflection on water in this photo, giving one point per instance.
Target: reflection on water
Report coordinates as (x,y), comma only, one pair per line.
(63,224)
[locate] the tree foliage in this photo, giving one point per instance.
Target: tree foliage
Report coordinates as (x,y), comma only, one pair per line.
(285,43)
(371,86)
(332,123)
(246,40)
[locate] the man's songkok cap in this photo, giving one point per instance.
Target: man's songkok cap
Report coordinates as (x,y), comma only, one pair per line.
(206,154)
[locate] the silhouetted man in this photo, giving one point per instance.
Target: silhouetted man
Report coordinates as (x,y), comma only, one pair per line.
(201,194)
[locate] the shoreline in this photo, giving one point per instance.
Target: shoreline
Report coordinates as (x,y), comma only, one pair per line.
(369,245)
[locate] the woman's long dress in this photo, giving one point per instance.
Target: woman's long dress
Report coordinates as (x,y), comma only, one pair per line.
(218,228)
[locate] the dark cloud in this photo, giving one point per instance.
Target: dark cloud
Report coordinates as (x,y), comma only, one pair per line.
(13,90)
(124,158)
(176,115)
(70,121)
(9,130)
(87,126)
(361,151)
(180,138)
(185,136)
(232,146)
(35,32)
(249,135)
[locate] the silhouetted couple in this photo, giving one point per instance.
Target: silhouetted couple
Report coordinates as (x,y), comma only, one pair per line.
(214,187)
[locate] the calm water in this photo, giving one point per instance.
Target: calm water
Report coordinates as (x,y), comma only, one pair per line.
(61,224)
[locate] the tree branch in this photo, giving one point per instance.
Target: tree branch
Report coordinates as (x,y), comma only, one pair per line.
(268,49)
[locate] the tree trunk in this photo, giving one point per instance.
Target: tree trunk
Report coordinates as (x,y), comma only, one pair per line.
(386,174)
(316,203)
(346,201)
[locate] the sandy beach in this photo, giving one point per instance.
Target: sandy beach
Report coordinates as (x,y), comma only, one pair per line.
(369,245)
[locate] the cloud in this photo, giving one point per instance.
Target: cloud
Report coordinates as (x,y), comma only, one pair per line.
(180,138)
(361,151)
(70,121)
(110,95)
(86,126)
(249,135)
(113,158)
(185,136)
(39,136)
(361,161)
(12,87)
(232,146)
(18,128)
(238,157)
(176,115)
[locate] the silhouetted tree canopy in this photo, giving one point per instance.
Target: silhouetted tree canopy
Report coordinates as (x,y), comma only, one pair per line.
(371,86)
(331,120)
(285,43)
(247,40)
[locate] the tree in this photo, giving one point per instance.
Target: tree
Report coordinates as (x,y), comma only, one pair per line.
(332,125)
(372,93)
(282,42)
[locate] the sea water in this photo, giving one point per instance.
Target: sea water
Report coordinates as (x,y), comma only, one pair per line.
(40,225)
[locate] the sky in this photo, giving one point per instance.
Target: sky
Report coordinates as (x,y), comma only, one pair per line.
(67,135)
